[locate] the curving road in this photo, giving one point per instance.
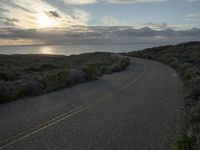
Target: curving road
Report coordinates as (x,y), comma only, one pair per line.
(136,109)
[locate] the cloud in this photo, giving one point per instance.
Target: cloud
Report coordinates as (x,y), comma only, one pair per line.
(8,21)
(98,34)
(134,1)
(53,14)
(193,17)
(158,26)
(3,10)
(193,0)
(163,26)
(111,21)
(80,2)
(35,13)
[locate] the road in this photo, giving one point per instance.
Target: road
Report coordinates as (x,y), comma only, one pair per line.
(136,109)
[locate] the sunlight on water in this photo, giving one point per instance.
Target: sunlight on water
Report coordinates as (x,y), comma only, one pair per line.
(46,50)
(73,49)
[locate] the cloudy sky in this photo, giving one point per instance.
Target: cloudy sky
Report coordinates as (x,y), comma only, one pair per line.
(98,21)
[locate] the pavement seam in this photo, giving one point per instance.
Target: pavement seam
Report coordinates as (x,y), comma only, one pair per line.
(64,116)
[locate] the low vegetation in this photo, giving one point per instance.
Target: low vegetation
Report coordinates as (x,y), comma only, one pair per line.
(183,142)
(185,58)
(28,75)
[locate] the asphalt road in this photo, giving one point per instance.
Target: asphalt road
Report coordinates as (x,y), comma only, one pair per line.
(136,109)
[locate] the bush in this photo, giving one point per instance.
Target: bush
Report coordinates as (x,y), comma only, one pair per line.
(27,75)
(119,65)
(183,142)
(195,119)
(77,75)
(56,80)
(47,67)
(92,72)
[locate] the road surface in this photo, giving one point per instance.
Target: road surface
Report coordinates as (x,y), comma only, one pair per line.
(136,109)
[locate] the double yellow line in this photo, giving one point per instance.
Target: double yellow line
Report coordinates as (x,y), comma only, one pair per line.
(64,116)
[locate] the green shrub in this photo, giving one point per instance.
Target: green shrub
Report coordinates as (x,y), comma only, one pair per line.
(195,120)
(31,69)
(26,75)
(183,142)
(9,91)
(119,65)
(56,80)
(92,72)
(47,67)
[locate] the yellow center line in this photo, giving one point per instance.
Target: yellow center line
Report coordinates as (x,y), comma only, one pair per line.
(64,116)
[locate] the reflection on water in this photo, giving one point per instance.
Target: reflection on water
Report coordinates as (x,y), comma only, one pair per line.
(46,50)
(73,49)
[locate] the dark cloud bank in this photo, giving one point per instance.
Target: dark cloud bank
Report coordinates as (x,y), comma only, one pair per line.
(98,35)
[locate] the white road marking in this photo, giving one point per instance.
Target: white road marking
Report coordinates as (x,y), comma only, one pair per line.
(64,116)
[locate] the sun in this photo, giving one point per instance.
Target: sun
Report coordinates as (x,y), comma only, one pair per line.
(44,21)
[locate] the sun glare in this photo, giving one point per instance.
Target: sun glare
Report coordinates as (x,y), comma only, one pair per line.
(46,50)
(44,21)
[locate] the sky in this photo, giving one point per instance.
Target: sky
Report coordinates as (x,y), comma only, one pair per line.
(24,22)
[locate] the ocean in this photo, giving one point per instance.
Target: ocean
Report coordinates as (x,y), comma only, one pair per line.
(74,49)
